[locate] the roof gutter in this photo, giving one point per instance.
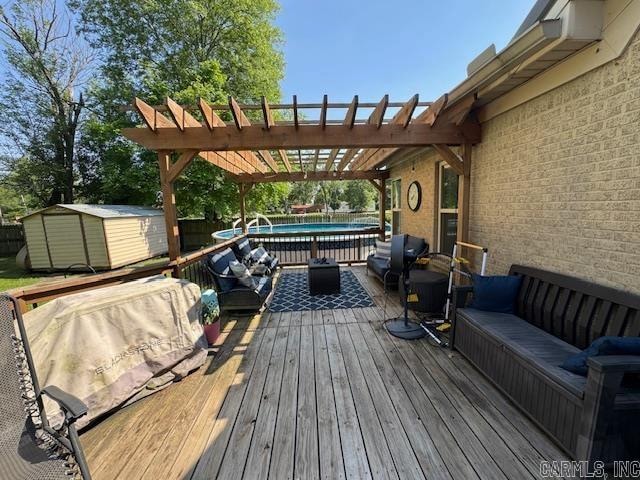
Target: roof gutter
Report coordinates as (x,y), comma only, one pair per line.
(520,49)
(577,24)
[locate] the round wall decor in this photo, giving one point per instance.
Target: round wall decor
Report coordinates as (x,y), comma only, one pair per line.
(414,196)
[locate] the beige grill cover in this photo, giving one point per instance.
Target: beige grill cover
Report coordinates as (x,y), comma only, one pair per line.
(117,344)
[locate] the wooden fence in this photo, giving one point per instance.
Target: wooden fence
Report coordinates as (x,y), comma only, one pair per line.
(11,239)
(195,233)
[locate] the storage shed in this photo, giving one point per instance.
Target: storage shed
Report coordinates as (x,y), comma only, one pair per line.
(103,236)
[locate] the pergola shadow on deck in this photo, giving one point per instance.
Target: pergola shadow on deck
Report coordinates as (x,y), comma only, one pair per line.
(322,394)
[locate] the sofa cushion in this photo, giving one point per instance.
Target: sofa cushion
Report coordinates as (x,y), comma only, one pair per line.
(378,265)
(264,286)
(242,273)
(242,248)
(495,293)
(219,263)
(383,249)
(602,346)
(540,350)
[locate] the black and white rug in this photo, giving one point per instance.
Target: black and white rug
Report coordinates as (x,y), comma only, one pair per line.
(292,294)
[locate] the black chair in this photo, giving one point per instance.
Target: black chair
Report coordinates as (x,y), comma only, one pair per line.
(29,447)
(401,260)
(233,295)
(428,278)
(380,267)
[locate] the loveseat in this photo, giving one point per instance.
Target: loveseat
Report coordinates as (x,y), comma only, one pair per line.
(593,418)
(232,294)
(380,266)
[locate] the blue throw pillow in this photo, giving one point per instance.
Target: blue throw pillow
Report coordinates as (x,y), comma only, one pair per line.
(602,346)
(495,293)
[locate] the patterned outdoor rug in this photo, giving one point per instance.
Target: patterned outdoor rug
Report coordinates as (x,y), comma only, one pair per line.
(292,294)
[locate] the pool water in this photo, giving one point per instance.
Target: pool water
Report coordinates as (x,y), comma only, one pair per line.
(300,228)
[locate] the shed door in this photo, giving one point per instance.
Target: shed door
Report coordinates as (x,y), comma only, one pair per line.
(64,236)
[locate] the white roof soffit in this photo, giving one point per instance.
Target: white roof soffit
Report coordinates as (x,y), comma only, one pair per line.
(544,44)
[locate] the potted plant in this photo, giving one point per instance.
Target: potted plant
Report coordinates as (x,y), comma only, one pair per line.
(210,316)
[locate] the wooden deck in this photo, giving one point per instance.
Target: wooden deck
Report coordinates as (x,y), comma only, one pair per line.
(324,394)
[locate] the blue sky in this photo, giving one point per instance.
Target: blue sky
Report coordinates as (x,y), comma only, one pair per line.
(373,47)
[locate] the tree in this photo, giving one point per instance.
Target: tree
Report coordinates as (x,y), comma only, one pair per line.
(359,194)
(331,194)
(184,49)
(40,103)
(303,193)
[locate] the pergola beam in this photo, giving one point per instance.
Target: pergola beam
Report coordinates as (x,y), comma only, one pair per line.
(377,116)
(180,116)
(452,158)
(211,118)
(178,167)
(323,111)
(350,118)
(402,117)
(295,111)
(307,137)
(241,121)
(430,115)
(285,159)
(151,116)
(346,158)
(312,176)
(349,121)
(266,113)
(232,162)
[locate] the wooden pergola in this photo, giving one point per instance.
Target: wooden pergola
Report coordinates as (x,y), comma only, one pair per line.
(299,149)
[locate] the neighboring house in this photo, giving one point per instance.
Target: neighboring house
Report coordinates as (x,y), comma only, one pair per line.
(555,182)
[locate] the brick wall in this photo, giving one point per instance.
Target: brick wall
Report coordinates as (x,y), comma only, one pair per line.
(422,169)
(556,181)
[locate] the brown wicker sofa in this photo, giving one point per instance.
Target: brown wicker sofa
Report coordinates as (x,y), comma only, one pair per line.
(593,418)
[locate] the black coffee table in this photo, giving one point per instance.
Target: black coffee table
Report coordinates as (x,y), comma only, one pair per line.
(324,276)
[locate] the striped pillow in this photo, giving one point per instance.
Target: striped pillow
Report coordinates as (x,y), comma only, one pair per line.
(383,249)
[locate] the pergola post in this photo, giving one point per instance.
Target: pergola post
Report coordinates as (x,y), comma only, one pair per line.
(169,205)
(464,192)
(243,213)
(382,207)
(244,188)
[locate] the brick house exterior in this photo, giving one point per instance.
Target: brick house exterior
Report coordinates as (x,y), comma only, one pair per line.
(555,182)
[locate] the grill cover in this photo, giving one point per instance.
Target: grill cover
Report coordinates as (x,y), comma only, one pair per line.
(117,344)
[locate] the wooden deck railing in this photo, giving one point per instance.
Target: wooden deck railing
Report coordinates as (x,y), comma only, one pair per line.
(189,267)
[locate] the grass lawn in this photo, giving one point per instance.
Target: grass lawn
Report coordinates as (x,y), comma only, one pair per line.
(13,277)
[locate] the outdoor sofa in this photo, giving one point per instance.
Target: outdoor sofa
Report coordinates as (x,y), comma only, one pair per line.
(593,418)
(380,266)
(232,294)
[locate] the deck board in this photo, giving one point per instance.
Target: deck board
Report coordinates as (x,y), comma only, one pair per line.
(324,394)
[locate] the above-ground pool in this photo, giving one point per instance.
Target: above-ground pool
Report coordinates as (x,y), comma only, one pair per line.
(302,228)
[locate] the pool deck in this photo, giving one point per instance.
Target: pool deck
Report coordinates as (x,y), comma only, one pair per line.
(324,394)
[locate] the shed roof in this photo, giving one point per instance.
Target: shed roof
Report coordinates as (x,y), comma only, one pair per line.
(106,211)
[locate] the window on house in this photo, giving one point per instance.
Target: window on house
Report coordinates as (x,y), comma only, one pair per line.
(447,208)
(396,205)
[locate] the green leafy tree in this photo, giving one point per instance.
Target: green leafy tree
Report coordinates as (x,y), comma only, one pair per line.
(303,193)
(359,194)
(331,194)
(184,49)
(41,103)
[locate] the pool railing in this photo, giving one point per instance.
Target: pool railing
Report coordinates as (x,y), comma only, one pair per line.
(297,248)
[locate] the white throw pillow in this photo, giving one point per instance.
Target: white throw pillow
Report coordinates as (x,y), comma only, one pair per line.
(242,273)
(383,249)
